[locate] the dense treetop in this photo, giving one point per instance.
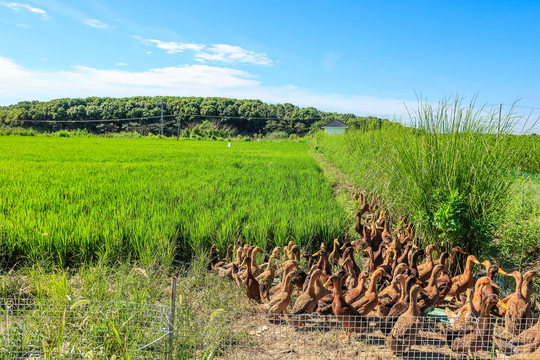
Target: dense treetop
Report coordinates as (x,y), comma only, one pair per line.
(142,114)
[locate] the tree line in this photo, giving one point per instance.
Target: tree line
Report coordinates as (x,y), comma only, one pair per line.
(142,114)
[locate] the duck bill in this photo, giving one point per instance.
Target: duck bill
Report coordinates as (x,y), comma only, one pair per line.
(316,254)
(501,271)
(327,283)
(500,302)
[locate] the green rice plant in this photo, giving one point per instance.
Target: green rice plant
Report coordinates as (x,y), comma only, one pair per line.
(449,171)
(74,201)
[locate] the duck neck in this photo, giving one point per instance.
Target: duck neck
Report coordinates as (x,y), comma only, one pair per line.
(434,276)
(413,305)
(248,269)
(373,284)
(519,286)
(468,266)
(288,284)
(525,287)
(311,286)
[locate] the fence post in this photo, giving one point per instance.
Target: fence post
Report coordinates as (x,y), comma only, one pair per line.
(172,318)
(7,325)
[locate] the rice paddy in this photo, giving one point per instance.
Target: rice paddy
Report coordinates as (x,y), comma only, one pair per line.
(72,201)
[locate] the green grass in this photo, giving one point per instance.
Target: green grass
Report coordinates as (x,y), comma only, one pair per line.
(73,201)
(452,175)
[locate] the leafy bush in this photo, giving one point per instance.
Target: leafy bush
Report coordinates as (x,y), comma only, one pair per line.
(17,130)
(275,135)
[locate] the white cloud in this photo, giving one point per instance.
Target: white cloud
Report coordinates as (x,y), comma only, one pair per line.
(18,84)
(214,53)
(120,64)
(96,24)
(170,47)
(19,6)
(231,53)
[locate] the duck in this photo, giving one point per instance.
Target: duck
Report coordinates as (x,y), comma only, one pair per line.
(386,234)
(281,301)
(350,319)
(431,299)
(231,269)
(323,263)
(524,291)
(463,318)
(307,255)
(351,281)
(251,284)
(357,292)
(266,278)
(518,307)
(388,259)
(492,288)
(405,330)
(363,207)
(294,253)
(307,302)
(287,267)
(334,256)
(424,270)
(525,342)
(390,295)
(399,307)
(369,301)
(349,254)
(223,261)
(404,257)
(444,281)
(213,257)
(461,283)
(482,336)
(452,265)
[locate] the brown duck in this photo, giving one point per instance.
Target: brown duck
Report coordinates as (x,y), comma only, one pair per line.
(306,302)
(400,307)
(405,330)
(464,281)
(424,270)
(280,301)
(251,284)
(369,301)
(482,337)
(518,308)
(349,318)
(431,297)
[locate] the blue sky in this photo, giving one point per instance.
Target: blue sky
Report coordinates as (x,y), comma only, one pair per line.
(362,57)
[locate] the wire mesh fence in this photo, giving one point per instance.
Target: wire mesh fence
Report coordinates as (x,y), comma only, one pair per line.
(63,329)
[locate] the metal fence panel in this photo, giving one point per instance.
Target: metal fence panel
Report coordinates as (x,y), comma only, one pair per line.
(63,329)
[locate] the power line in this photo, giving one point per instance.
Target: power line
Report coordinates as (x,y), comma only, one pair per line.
(169,116)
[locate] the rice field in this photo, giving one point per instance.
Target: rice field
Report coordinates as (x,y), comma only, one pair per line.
(70,201)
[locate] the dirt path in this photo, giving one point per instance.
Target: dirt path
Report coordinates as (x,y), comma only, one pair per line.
(342,186)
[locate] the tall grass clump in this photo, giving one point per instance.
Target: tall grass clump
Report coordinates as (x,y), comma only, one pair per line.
(449,170)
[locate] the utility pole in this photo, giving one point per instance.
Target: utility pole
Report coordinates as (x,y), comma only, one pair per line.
(178,130)
(161,118)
